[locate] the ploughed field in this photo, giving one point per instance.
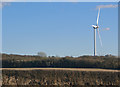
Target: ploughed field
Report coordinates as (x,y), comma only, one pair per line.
(60,71)
(60,76)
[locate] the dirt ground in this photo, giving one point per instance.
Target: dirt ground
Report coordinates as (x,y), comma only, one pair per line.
(72,69)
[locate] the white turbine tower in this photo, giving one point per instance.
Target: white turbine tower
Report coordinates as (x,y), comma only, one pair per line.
(96,27)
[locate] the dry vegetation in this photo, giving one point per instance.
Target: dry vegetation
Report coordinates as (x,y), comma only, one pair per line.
(60,71)
(18,61)
(60,78)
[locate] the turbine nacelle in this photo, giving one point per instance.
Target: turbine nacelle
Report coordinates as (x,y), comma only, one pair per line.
(95,26)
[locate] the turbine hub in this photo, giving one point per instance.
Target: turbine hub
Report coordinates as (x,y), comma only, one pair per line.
(95,26)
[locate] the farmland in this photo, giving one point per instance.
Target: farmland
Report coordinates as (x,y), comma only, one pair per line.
(60,71)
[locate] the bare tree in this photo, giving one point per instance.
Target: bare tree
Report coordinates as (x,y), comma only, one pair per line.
(42,54)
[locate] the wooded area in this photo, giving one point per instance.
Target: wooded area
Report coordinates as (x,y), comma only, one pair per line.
(27,61)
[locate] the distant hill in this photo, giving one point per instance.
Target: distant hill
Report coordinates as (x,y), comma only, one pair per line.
(27,61)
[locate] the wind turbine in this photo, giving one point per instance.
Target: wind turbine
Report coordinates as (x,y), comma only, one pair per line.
(96,27)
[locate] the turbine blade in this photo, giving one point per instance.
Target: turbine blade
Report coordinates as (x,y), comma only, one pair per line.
(98,16)
(105,29)
(99,37)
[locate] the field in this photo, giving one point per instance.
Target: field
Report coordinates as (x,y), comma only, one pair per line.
(63,69)
(60,71)
(60,77)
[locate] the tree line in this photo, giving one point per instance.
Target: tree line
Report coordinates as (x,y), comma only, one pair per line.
(19,61)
